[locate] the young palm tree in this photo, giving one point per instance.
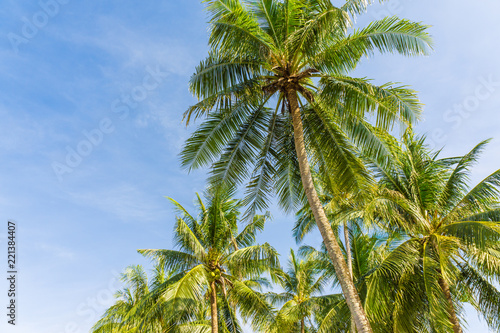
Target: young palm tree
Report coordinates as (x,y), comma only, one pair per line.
(115,318)
(293,55)
(303,284)
(138,309)
(451,249)
(216,263)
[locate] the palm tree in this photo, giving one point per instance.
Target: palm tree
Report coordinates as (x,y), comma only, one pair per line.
(138,308)
(115,318)
(216,263)
(293,55)
(302,285)
(450,253)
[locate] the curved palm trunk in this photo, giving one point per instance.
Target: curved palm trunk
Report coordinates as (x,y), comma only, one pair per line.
(302,326)
(451,309)
(341,269)
(213,307)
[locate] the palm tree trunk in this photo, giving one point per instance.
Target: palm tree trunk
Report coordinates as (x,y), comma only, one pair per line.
(348,250)
(213,307)
(341,269)
(302,326)
(349,264)
(451,309)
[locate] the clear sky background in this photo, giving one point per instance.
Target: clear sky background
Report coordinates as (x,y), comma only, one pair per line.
(117,72)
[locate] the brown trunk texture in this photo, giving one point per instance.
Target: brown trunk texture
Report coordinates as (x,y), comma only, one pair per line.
(213,307)
(451,309)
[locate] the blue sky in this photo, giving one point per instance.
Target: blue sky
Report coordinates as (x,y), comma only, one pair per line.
(116,72)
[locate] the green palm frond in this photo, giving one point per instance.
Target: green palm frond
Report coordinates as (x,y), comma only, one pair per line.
(483,196)
(225,71)
(207,142)
(252,305)
(244,260)
(358,96)
(487,261)
(233,165)
(486,295)
(234,29)
(480,234)
(288,183)
(355,6)
(187,240)
(171,260)
(437,302)
(332,149)
(390,34)
(192,328)
(454,189)
(319,24)
(336,318)
(304,224)
(248,235)
(191,286)
(228,321)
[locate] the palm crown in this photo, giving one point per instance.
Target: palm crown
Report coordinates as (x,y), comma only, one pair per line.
(301,298)
(263,50)
(214,260)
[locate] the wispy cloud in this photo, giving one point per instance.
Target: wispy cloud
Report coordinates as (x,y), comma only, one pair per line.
(56,251)
(125,202)
(133,48)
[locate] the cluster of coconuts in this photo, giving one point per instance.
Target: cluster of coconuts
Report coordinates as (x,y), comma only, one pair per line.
(215,274)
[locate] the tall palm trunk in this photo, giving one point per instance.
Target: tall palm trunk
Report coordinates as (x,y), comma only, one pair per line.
(451,309)
(302,326)
(213,307)
(349,265)
(341,269)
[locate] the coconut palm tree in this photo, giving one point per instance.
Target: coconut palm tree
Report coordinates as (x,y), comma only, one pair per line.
(450,253)
(217,265)
(302,284)
(115,318)
(138,309)
(274,88)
